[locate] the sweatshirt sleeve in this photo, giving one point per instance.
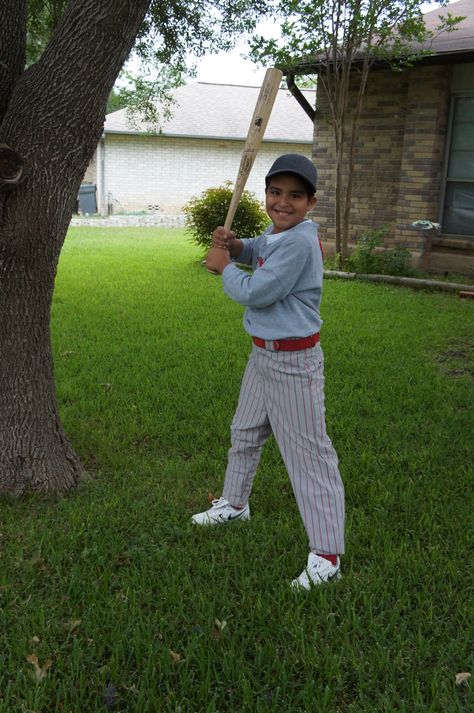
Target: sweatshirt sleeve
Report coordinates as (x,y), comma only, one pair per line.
(245,257)
(271,282)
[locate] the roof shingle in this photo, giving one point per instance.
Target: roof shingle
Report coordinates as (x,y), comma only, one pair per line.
(224,111)
(459,40)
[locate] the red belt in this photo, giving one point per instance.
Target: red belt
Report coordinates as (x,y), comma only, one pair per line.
(288,345)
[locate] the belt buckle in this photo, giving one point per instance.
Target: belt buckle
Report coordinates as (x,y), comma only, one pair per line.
(276,345)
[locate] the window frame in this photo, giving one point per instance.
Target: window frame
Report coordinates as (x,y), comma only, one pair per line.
(445,179)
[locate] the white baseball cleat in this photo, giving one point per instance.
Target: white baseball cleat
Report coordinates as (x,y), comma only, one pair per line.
(221,513)
(318,571)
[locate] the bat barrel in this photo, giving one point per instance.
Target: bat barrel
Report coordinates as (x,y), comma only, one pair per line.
(258,124)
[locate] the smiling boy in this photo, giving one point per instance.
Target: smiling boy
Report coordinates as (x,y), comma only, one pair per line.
(282,390)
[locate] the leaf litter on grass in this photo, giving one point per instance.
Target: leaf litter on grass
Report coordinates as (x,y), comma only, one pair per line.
(39,672)
(458,361)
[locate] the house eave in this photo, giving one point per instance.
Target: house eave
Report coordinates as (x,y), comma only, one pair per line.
(203,137)
(460,56)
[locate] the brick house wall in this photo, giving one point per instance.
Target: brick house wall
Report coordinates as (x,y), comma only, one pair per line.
(425,129)
(414,150)
(400,153)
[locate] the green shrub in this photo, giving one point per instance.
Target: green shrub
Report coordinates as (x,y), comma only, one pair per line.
(366,260)
(396,261)
(205,212)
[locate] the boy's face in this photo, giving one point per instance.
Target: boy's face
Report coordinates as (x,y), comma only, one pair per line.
(287,201)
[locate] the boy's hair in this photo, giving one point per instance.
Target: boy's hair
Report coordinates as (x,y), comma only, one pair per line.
(298,165)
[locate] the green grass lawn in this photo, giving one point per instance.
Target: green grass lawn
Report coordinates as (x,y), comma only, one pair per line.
(128,608)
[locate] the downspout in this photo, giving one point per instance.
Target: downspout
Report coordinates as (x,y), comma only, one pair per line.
(103,208)
(300,98)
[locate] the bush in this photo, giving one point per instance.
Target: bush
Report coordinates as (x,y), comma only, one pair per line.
(396,261)
(366,260)
(205,212)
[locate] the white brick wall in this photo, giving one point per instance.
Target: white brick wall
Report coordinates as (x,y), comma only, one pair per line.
(91,173)
(145,171)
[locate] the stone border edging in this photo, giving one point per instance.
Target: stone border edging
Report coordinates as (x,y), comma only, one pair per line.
(160,220)
(414,282)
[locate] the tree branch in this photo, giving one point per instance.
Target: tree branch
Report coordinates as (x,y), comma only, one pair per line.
(64,94)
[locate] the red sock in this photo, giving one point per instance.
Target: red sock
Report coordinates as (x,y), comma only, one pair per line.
(332,558)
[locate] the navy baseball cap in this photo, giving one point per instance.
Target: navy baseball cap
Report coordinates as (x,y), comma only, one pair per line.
(297,164)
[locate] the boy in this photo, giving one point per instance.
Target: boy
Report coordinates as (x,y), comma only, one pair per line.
(283,385)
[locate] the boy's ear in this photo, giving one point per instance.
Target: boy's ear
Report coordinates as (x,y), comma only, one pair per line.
(312,200)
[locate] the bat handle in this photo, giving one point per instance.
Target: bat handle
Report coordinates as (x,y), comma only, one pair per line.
(232,210)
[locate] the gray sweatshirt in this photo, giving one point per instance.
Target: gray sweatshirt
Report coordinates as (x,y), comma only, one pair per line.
(283,293)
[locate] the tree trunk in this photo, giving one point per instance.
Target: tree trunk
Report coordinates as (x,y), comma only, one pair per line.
(54,121)
(354,133)
(13,46)
(338,205)
(35,452)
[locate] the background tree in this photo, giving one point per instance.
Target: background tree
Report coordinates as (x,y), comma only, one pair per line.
(114,102)
(51,119)
(42,18)
(343,40)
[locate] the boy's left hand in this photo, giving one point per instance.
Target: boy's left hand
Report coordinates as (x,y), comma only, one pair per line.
(217,259)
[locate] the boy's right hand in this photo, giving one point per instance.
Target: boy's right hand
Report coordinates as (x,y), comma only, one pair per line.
(224,239)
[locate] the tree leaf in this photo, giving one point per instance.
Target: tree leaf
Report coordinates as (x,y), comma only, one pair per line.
(176,658)
(221,625)
(72,624)
(40,672)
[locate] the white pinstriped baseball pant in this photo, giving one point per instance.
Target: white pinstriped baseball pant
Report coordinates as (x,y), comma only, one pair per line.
(283,393)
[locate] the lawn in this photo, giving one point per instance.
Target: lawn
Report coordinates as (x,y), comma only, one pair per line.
(128,608)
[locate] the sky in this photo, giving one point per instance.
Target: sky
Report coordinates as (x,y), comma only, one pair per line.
(231,68)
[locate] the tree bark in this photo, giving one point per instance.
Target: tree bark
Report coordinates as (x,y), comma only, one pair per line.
(13,44)
(350,170)
(53,121)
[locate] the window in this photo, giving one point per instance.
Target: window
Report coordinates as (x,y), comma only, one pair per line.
(458,213)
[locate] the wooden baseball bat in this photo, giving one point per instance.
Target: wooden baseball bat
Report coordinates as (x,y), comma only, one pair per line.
(261,115)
